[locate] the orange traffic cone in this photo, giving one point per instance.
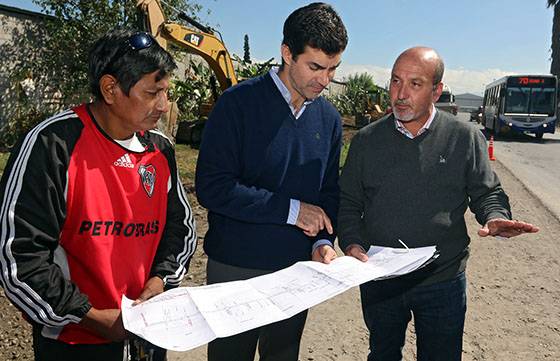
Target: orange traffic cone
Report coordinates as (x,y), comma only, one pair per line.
(491,148)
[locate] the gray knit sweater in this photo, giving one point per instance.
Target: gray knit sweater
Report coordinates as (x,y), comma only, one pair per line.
(418,190)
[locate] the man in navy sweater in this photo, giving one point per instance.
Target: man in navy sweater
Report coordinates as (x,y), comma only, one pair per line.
(410,177)
(268,174)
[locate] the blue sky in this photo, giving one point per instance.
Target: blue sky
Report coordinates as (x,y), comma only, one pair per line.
(478,40)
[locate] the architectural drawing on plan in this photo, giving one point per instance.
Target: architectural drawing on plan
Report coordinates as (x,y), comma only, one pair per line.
(187,317)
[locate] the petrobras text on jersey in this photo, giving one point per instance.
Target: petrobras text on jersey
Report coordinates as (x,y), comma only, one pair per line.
(116,228)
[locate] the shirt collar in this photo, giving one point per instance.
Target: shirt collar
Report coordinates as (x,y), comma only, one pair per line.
(286,93)
(401,128)
(132,143)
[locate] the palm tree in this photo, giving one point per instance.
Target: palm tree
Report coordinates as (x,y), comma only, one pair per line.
(555,46)
(358,89)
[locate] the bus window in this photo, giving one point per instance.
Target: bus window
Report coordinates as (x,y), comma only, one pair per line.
(530,100)
(517,100)
(542,101)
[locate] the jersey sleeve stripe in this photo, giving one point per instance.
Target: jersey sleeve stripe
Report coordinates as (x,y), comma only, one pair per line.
(19,292)
(190,239)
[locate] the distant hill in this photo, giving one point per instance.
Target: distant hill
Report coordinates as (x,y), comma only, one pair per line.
(469,96)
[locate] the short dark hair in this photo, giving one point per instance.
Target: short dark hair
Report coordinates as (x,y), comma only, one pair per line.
(438,71)
(316,25)
(112,54)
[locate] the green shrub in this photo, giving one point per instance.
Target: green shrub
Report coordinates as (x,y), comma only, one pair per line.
(359,95)
(20,122)
(249,69)
(195,90)
(344,153)
(3,160)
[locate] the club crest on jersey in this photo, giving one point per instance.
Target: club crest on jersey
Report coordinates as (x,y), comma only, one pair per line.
(148,178)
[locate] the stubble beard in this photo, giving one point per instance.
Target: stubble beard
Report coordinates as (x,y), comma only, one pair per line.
(405,116)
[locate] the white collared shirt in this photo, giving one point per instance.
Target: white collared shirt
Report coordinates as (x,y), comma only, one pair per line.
(401,128)
(286,93)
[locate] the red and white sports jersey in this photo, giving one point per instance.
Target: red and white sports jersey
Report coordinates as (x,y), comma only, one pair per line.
(85,221)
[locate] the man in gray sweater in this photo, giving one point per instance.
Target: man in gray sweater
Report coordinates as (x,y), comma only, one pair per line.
(410,176)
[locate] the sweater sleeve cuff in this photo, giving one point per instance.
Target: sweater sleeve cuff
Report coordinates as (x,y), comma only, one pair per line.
(347,243)
(496,215)
(319,243)
(294,212)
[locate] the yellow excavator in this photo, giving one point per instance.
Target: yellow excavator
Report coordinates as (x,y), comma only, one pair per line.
(373,104)
(198,39)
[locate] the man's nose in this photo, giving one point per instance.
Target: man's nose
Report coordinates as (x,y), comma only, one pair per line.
(163,103)
(325,78)
(403,92)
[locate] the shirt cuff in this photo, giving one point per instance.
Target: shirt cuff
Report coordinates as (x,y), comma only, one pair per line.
(319,243)
(294,212)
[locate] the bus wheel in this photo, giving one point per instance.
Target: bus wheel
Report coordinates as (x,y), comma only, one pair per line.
(539,135)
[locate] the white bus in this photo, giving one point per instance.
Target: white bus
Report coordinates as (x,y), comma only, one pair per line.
(521,103)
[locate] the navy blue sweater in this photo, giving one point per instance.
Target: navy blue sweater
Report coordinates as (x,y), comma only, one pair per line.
(254,157)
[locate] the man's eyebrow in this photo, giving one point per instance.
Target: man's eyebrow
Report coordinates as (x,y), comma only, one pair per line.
(323,67)
(418,79)
(337,65)
(319,66)
(155,89)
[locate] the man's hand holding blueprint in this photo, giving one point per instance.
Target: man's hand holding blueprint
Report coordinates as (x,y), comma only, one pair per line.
(186,317)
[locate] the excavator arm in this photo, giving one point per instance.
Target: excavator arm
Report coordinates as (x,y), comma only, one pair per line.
(201,40)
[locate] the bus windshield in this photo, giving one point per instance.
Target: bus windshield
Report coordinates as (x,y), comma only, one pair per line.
(530,100)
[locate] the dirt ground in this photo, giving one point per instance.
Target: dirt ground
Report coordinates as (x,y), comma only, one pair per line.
(513,299)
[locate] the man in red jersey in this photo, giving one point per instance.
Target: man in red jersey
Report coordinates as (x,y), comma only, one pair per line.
(91,207)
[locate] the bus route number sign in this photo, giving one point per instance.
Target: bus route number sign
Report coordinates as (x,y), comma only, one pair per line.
(526,80)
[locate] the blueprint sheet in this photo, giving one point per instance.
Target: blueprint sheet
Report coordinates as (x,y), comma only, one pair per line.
(187,317)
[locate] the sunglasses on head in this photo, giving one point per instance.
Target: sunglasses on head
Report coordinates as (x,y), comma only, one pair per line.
(135,42)
(139,41)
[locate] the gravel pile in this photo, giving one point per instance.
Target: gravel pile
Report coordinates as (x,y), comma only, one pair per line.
(15,333)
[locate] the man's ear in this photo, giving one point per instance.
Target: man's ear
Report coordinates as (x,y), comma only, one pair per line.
(286,54)
(436,93)
(109,87)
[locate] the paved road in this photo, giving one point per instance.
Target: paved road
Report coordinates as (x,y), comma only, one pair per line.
(536,163)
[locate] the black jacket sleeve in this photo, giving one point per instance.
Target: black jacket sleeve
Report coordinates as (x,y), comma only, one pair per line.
(32,212)
(178,241)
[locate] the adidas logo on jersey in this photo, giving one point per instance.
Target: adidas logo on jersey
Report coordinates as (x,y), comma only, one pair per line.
(124,161)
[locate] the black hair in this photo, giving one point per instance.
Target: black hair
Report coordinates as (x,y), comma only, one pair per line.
(316,25)
(112,54)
